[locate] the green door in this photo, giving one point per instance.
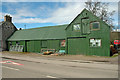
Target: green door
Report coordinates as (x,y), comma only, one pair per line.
(37,46)
(28,46)
(77,46)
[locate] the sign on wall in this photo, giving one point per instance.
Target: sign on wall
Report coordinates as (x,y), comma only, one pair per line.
(62,44)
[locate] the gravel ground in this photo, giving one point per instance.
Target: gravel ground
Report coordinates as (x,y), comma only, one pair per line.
(111,60)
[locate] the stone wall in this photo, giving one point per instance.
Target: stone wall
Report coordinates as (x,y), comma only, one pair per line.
(8,29)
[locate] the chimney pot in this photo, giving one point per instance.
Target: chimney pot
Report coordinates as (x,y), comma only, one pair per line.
(8,18)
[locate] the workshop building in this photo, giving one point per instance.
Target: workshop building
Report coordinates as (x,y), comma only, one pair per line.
(86,34)
(36,39)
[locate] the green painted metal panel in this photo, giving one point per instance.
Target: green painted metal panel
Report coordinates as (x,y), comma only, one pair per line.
(85,26)
(53,44)
(44,43)
(37,46)
(28,46)
(32,46)
(77,46)
(14,43)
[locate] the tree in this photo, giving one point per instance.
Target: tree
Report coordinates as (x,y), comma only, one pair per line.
(100,9)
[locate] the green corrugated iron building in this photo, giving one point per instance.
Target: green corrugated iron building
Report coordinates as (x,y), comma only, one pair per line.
(86,34)
(39,38)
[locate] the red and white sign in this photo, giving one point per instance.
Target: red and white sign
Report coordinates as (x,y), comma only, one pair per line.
(62,43)
(10,62)
(117,42)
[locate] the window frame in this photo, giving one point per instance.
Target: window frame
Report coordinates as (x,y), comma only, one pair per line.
(84,29)
(91,27)
(95,46)
(42,44)
(10,43)
(79,26)
(17,43)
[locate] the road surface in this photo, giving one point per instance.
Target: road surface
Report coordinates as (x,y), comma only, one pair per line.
(12,68)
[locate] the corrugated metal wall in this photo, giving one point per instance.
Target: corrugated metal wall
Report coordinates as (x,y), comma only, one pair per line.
(36,45)
(53,44)
(77,46)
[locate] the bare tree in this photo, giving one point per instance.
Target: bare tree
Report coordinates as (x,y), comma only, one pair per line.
(100,9)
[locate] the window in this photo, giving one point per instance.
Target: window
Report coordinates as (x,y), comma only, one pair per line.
(44,44)
(95,25)
(76,27)
(62,43)
(10,43)
(95,42)
(17,43)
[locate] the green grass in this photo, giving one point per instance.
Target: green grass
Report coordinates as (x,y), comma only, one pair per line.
(116,55)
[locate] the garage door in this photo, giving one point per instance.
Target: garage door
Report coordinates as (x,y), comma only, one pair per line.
(30,46)
(77,46)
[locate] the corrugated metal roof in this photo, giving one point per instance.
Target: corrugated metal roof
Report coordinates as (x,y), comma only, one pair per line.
(51,32)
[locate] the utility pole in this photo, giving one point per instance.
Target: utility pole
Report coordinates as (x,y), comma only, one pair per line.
(25,26)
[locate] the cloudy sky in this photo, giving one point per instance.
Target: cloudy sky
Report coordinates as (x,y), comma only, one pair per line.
(39,14)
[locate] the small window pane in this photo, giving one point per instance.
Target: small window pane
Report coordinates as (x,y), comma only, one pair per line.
(95,26)
(17,43)
(44,44)
(76,27)
(95,42)
(10,43)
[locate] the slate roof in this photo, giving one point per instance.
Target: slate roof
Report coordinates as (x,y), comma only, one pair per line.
(1,22)
(42,33)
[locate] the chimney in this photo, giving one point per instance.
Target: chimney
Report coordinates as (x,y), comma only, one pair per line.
(8,18)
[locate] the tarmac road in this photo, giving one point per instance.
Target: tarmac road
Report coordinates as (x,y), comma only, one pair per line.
(61,69)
